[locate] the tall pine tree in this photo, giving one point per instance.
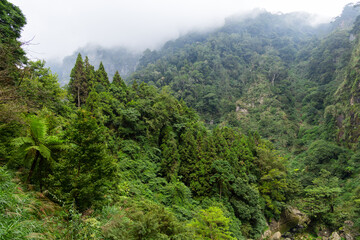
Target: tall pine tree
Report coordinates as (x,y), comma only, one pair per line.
(102,77)
(78,86)
(90,74)
(118,81)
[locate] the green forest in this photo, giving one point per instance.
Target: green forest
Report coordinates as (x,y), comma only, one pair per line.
(247,131)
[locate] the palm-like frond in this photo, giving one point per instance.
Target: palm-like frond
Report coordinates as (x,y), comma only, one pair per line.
(20,141)
(44,151)
(38,144)
(38,128)
(53,142)
(60,147)
(32,149)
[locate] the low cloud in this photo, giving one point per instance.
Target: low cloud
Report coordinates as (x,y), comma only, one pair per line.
(60,27)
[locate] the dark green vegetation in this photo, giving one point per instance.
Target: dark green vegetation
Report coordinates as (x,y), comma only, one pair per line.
(217,135)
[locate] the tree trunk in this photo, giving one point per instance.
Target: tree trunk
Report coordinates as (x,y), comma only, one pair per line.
(41,161)
(33,165)
(273,79)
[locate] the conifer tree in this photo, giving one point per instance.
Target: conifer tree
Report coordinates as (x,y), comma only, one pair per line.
(90,169)
(135,85)
(171,158)
(222,175)
(188,155)
(78,86)
(90,74)
(118,81)
(102,76)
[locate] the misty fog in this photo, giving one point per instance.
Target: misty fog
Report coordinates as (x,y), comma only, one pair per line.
(58,28)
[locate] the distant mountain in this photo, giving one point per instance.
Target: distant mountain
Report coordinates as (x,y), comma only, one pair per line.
(212,70)
(347,17)
(114,59)
(255,72)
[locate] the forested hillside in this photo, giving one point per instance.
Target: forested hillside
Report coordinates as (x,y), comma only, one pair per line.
(249,131)
(254,72)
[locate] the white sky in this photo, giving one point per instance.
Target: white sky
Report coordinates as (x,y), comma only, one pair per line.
(59,27)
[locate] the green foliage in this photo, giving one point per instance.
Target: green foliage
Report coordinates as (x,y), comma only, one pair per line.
(90,73)
(320,199)
(87,171)
(11,55)
(323,155)
(7,133)
(233,71)
(79,227)
(79,85)
(222,175)
(118,81)
(102,77)
(17,211)
(40,88)
(211,224)
(247,206)
(13,20)
(26,215)
(144,220)
(38,146)
(170,154)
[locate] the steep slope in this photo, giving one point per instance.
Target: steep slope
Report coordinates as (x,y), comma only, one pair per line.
(265,72)
(344,112)
(239,74)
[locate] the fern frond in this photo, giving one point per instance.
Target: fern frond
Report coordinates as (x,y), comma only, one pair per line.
(20,141)
(38,128)
(53,141)
(44,151)
(32,148)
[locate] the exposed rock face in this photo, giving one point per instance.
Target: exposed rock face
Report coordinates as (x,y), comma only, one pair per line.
(324,232)
(274,226)
(276,236)
(292,222)
(266,234)
(348,236)
(294,216)
(348,231)
(242,110)
(335,236)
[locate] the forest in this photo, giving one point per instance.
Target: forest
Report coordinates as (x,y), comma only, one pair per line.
(247,131)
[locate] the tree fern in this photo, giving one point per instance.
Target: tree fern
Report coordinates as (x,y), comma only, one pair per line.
(38,146)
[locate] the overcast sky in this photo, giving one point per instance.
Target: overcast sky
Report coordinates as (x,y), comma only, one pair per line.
(59,27)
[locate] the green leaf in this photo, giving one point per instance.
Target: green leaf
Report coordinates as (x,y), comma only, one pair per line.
(44,151)
(38,128)
(17,142)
